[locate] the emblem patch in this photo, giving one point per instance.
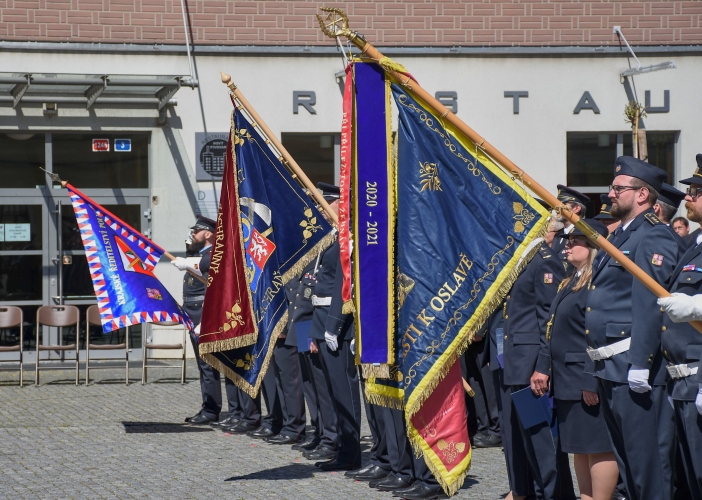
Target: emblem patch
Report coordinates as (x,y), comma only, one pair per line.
(154,293)
(657,260)
(548,278)
(307,293)
(618,168)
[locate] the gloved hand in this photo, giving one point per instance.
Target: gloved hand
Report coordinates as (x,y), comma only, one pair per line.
(698,400)
(353,346)
(682,308)
(191,264)
(638,379)
(197,328)
(179,262)
(332,342)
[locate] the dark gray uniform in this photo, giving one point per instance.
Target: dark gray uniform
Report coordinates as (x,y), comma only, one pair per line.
(618,307)
(682,344)
(210,384)
(526,317)
(339,366)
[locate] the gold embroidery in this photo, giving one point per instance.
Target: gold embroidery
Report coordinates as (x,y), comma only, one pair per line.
(522,216)
(405,284)
(548,328)
(310,224)
(430,174)
(234,318)
(245,363)
(451,450)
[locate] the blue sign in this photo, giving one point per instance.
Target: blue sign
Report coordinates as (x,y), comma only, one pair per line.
(123,145)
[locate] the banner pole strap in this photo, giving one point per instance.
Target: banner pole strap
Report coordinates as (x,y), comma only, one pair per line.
(370,51)
(314,192)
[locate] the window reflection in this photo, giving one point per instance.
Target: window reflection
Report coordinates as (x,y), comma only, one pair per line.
(21,155)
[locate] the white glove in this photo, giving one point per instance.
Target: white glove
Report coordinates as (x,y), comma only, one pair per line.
(188,264)
(332,342)
(698,400)
(197,328)
(353,346)
(682,308)
(638,379)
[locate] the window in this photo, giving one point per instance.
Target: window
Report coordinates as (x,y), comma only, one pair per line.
(316,154)
(21,155)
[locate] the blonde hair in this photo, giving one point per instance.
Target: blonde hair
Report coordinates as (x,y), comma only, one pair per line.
(585,274)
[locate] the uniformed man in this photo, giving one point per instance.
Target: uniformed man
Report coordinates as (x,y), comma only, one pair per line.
(484,402)
(199,246)
(666,207)
(605,216)
(682,343)
(525,320)
(333,332)
(623,327)
(577,203)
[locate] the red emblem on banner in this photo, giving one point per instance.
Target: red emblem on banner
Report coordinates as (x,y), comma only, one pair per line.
(260,248)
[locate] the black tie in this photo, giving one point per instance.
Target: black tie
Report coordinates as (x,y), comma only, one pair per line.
(600,257)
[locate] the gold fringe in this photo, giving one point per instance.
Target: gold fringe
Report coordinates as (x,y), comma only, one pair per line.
(375,370)
(348,307)
(384,400)
(227,344)
(311,255)
(389,65)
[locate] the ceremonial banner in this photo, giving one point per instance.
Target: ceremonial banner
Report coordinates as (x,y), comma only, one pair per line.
(345,191)
(374,219)
(462,226)
(281,232)
(387,392)
(121,262)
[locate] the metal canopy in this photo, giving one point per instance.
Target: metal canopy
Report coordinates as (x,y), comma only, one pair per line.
(91,90)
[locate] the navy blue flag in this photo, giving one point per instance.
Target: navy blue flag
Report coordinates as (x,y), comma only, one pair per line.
(282,232)
(121,262)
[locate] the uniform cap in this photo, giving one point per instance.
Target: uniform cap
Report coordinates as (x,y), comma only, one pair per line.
(329,191)
(605,209)
(566,194)
(668,194)
(203,223)
(633,167)
(697,176)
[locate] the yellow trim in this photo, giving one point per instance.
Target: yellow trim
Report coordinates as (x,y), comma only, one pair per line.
(392,215)
(354,207)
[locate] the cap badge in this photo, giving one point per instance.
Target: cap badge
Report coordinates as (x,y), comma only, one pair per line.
(618,168)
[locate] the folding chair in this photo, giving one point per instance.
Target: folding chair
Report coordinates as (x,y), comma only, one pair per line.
(10,317)
(60,317)
(93,318)
(148,346)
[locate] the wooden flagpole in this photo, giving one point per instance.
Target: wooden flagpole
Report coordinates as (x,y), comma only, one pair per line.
(286,158)
(336,24)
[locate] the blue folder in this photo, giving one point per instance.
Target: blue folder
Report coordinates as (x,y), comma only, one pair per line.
(534,410)
(302,330)
(500,338)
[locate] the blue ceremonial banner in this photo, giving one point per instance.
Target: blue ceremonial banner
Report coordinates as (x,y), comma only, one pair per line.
(463,227)
(374,216)
(121,262)
(282,232)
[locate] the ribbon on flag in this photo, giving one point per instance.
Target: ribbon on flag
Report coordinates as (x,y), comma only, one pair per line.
(121,262)
(344,191)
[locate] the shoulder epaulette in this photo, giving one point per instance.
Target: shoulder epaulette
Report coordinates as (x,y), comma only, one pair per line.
(653,219)
(545,252)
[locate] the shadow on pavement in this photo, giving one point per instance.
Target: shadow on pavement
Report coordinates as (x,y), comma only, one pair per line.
(162,428)
(292,471)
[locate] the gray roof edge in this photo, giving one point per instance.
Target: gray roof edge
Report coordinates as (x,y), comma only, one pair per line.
(331,50)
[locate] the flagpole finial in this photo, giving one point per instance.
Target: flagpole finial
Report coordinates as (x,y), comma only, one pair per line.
(55,177)
(227,80)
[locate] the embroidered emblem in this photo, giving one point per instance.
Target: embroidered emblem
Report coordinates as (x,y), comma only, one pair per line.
(307,293)
(522,216)
(548,278)
(234,319)
(153,293)
(191,280)
(429,172)
(652,219)
(310,224)
(657,260)
(450,450)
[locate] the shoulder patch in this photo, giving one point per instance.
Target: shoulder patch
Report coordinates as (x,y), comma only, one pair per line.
(545,252)
(653,219)
(548,278)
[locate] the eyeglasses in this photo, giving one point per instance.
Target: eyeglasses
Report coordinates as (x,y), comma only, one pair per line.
(694,193)
(620,189)
(575,242)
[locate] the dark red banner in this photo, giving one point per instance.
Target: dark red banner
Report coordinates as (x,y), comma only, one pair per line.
(344,188)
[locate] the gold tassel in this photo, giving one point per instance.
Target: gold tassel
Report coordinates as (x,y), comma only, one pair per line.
(348,307)
(375,370)
(389,65)
(227,344)
(384,401)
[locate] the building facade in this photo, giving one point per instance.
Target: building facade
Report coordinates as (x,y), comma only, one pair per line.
(104,94)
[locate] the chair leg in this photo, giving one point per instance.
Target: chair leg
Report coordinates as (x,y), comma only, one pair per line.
(182,371)
(143,357)
(87,367)
(36,366)
(126,368)
(21,372)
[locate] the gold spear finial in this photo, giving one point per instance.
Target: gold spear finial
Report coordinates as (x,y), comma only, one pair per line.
(227,80)
(335,23)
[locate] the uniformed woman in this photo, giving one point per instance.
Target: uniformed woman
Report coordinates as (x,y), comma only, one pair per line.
(581,424)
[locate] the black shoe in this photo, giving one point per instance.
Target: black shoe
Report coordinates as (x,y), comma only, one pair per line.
(281,439)
(200,419)
(487,441)
(367,439)
(228,421)
(308,444)
(261,433)
(336,465)
(242,427)
(419,491)
(353,473)
(320,453)
(390,483)
(374,474)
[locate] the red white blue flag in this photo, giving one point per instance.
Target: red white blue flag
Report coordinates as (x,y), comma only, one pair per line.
(121,262)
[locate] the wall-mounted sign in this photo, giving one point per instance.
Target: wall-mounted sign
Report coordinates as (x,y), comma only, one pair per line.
(100,145)
(123,145)
(210,151)
(17,232)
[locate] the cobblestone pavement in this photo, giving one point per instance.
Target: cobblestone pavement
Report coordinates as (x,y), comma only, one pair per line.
(109,440)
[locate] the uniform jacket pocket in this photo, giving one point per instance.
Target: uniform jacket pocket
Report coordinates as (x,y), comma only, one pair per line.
(526,339)
(693,352)
(618,330)
(575,357)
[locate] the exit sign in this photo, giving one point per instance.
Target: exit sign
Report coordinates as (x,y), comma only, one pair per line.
(100,145)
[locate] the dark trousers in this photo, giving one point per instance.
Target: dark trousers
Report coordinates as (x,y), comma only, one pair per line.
(549,466)
(422,473)
(211,387)
(310,391)
(329,437)
(689,424)
(520,481)
(485,400)
(399,449)
(376,423)
(286,364)
(250,408)
(341,372)
(642,430)
(270,390)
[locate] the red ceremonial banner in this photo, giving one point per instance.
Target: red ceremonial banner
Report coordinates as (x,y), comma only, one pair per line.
(227,314)
(344,191)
